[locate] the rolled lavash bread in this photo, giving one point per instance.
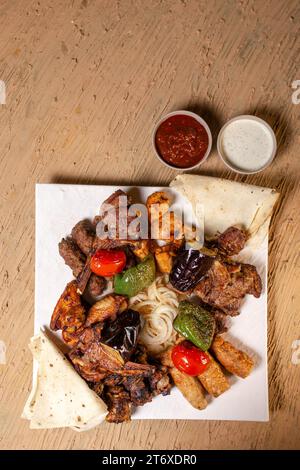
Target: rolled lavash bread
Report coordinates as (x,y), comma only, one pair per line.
(59,396)
(226,203)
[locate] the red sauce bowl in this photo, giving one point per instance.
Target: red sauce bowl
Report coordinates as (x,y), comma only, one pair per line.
(182,140)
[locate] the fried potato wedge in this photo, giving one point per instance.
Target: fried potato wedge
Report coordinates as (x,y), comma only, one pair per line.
(106,308)
(213,379)
(232,359)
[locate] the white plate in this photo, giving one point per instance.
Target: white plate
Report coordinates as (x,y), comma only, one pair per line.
(58,209)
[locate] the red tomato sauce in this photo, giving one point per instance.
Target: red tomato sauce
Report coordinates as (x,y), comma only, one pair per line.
(181,141)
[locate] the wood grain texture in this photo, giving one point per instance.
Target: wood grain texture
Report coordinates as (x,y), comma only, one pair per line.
(86,81)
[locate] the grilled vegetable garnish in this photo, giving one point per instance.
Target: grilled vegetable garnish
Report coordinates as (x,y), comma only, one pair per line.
(189,386)
(69,314)
(195,324)
(235,361)
(122,333)
(108,262)
(135,279)
(189,359)
(189,267)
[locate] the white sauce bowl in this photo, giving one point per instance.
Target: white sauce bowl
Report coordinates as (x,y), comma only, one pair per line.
(247,144)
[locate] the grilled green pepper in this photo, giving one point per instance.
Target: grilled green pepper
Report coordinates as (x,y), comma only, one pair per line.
(195,324)
(135,279)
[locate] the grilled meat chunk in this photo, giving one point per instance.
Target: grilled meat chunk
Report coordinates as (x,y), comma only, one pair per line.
(225,286)
(75,259)
(138,391)
(159,382)
(232,241)
(119,404)
(69,314)
(83,233)
(72,255)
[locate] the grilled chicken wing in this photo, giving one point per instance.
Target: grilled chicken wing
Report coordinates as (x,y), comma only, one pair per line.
(69,314)
(106,308)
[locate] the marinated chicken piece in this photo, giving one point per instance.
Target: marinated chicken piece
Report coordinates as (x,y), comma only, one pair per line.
(106,308)
(235,361)
(164,258)
(119,404)
(232,241)
(69,314)
(75,259)
(225,286)
(140,248)
(83,233)
(158,203)
(189,386)
(213,379)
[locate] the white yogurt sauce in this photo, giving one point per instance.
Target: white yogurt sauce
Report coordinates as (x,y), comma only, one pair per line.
(247,144)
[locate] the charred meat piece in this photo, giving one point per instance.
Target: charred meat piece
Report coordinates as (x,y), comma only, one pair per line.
(94,360)
(69,314)
(83,233)
(96,285)
(106,308)
(119,404)
(122,333)
(72,255)
(75,259)
(225,288)
(221,320)
(159,382)
(189,267)
(138,391)
(232,241)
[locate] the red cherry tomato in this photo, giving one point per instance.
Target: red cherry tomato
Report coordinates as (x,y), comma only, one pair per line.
(189,359)
(108,262)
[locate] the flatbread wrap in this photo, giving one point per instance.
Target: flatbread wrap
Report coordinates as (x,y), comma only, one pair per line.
(226,203)
(60,397)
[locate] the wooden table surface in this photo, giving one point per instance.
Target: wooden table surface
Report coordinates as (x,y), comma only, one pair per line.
(85,82)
